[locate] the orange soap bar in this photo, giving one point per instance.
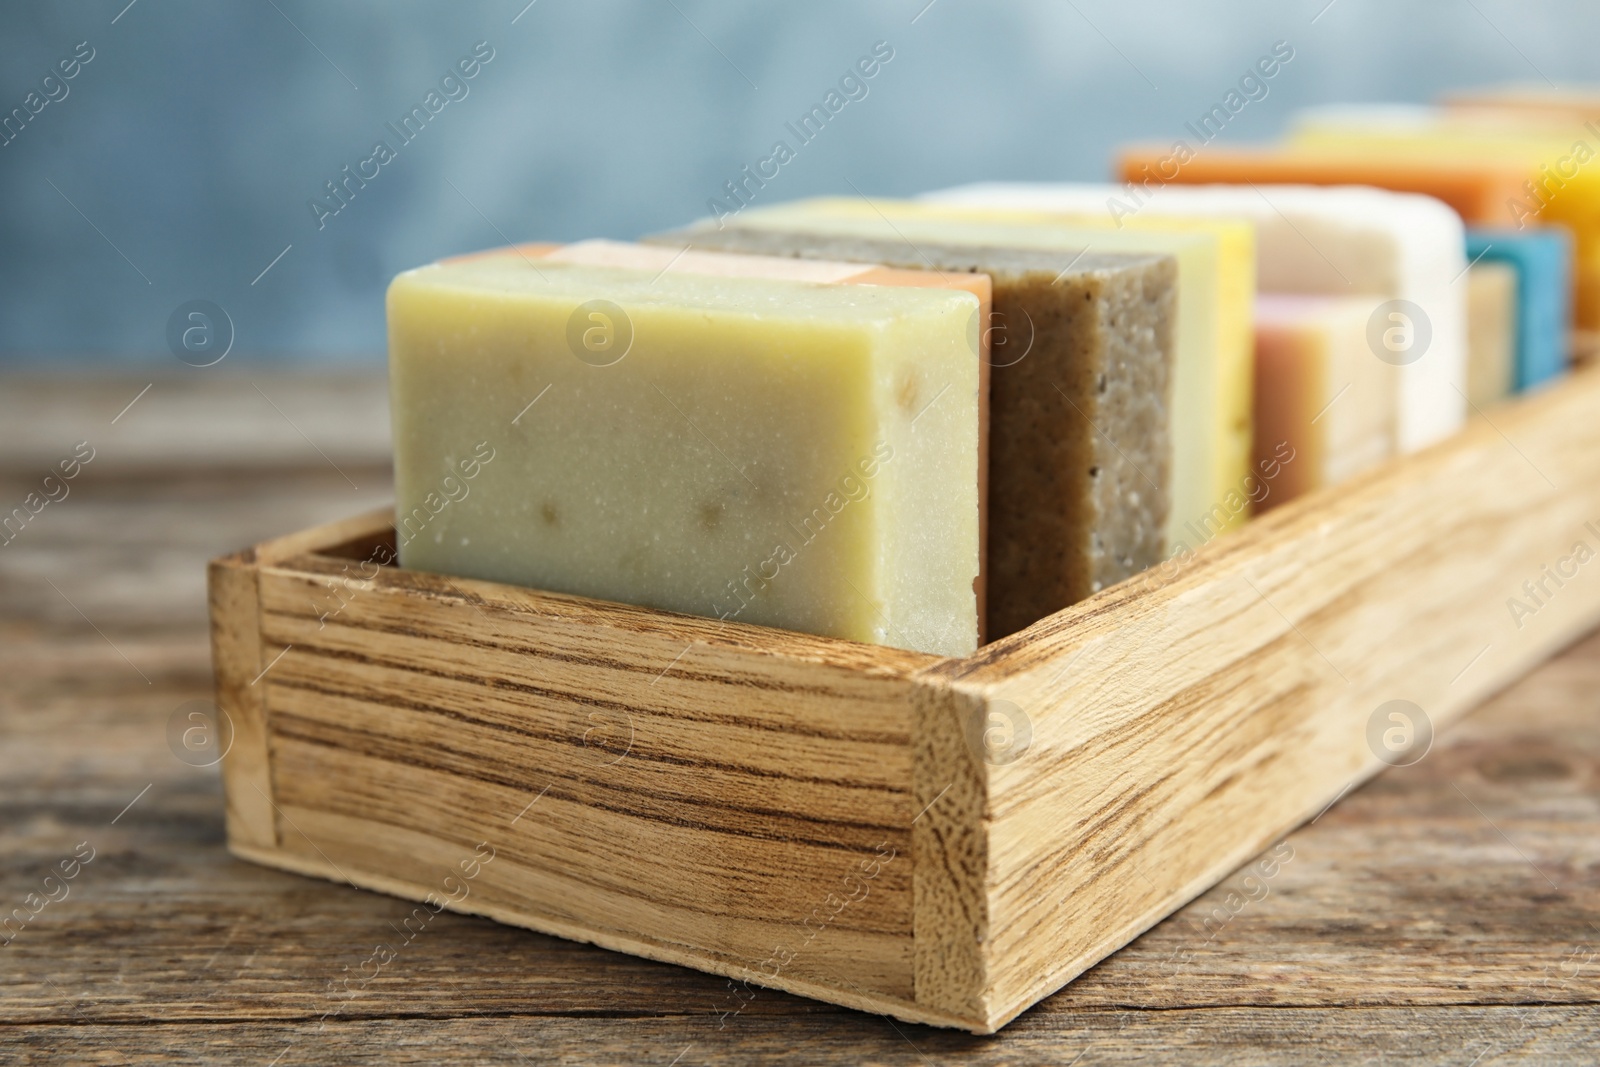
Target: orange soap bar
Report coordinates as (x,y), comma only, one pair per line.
(1478,191)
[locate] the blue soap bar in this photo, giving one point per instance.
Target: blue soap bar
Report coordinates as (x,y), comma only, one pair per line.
(1542,259)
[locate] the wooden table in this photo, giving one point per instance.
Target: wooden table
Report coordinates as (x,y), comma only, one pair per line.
(1447,912)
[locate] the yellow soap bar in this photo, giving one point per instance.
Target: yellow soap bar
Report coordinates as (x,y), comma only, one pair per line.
(1491,332)
(792,453)
(1324,407)
(1212,343)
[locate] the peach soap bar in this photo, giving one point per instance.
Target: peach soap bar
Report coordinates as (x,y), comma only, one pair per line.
(1324,407)
(722,439)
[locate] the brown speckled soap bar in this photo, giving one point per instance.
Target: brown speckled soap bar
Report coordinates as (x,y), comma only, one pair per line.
(1079,445)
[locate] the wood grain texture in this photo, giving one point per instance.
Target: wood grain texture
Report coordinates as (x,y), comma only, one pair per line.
(1414,923)
(950,858)
(1246,1037)
(235,604)
(1183,723)
(672,786)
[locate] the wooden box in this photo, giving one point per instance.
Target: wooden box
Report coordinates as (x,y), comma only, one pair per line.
(942,840)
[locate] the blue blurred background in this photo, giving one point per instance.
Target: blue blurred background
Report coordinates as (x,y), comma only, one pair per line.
(180,163)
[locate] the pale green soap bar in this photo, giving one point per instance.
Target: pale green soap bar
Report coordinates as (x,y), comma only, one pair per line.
(792,454)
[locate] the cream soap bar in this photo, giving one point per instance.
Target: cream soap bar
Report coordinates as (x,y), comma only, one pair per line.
(1491,332)
(1079,418)
(1324,407)
(1542,260)
(603,253)
(1328,241)
(795,453)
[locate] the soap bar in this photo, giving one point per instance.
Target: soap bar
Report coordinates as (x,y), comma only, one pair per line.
(604,253)
(798,454)
(1475,190)
(1079,422)
(1330,242)
(1546,157)
(1491,333)
(1211,339)
(1492,173)
(1211,379)
(1542,260)
(1529,100)
(1324,407)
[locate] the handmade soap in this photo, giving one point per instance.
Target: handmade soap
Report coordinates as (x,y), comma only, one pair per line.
(1212,344)
(1542,259)
(1493,172)
(1332,242)
(1211,409)
(1550,156)
(1477,191)
(1079,419)
(1324,407)
(793,453)
(604,253)
(1491,332)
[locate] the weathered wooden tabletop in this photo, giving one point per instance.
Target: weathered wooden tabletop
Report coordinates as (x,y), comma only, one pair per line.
(1447,912)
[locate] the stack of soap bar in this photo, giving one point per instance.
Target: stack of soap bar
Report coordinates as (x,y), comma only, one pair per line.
(1491,332)
(1495,169)
(1079,422)
(1212,340)
(1328,242)
(1212,376)
(1324,407)
(1550,160)
(1542,260)
(796,453)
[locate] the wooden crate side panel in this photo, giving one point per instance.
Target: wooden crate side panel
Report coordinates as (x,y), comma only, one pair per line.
(236,662)
(950,842)
(634,944)
(1179,728)
(658,782)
